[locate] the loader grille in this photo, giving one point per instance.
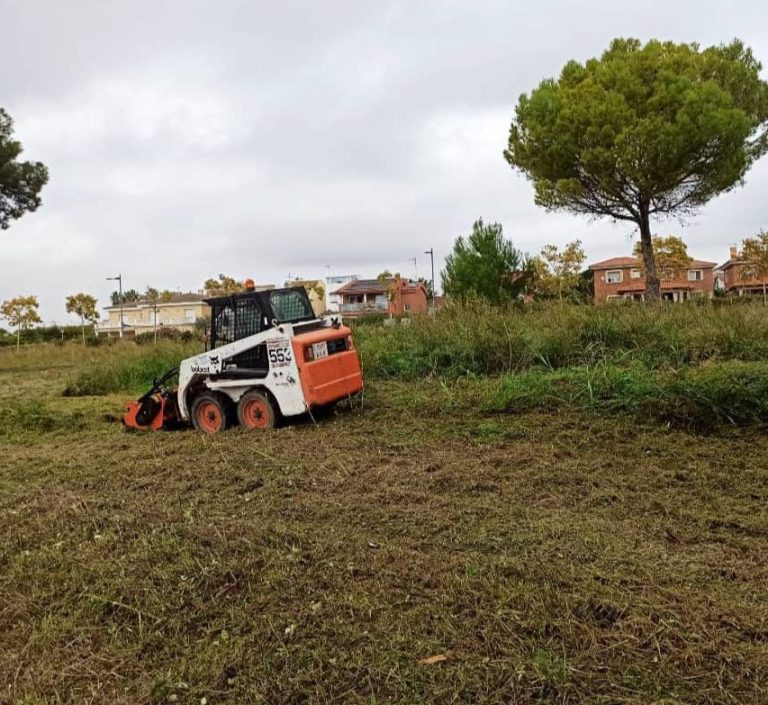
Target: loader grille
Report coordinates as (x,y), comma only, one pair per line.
(235,320)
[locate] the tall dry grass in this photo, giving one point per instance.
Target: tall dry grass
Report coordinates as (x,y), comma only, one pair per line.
(128,368)
(479,339)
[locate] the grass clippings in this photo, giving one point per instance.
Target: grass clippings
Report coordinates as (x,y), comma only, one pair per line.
(552,556)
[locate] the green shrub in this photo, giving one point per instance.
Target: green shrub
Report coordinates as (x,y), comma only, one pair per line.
(132,372)
(167,334)
(478,339)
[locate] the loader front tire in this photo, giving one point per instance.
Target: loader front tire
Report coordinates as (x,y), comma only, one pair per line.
(256,411)
(211,412)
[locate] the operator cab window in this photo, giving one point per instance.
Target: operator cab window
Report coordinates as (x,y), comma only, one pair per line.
(235,320)
(248,318)
(291,306)
(225,326)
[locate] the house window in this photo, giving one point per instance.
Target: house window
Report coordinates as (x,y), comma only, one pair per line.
(634,274)
(613,276)
(695,275)
(189,315)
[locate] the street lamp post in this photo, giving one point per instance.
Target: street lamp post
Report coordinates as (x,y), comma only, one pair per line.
(119,280)
(431,253)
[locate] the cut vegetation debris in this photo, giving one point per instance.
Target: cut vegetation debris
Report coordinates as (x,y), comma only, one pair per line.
(552,555)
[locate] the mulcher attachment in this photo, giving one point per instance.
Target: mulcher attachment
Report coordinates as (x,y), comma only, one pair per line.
(155,410)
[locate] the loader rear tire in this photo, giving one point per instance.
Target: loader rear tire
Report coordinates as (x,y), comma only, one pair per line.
(256,411)
(211,412)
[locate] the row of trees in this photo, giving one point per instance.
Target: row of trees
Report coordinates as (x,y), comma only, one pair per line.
(485,265)
(23,312)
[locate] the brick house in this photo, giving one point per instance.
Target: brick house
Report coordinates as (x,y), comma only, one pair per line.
(393,297)
(735,280)
(622,278)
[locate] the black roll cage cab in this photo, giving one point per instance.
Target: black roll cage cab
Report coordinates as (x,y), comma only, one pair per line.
(246,313)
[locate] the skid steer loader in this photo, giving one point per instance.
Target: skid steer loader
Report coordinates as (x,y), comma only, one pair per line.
(268,356)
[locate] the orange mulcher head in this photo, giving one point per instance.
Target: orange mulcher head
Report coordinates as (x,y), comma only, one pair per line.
(155,410)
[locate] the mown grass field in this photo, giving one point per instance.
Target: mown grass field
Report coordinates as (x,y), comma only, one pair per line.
(425,547)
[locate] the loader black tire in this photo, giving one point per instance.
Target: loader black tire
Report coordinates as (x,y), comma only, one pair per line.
(257,411)
(212,412)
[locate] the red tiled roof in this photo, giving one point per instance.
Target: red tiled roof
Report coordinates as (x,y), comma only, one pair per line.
(731,263)
(373,286)
(615,262)
(363,286)
(621,262)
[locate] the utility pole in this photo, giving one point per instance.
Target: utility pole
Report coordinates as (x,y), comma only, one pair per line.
(119,280)
(431,253)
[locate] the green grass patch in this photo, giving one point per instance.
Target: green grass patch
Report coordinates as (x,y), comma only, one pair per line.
(698,397)
(131,371)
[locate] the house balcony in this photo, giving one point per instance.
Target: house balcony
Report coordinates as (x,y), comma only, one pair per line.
(365,308)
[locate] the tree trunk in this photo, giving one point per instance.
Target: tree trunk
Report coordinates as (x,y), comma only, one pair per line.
(652,284)
(82,325)
(18,338)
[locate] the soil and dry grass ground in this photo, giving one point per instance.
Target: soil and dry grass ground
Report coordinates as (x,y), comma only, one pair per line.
(545,558)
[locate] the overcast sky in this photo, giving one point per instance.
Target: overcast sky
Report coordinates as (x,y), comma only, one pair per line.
(263,139)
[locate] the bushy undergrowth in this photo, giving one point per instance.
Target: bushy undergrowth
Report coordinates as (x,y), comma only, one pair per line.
(698,397)
(693,365)
(128,371)
(480,339)
(165,334)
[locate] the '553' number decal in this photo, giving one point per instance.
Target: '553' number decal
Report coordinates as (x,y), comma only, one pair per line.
(279,352)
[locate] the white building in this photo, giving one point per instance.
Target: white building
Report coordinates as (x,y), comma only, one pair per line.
(333,300)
